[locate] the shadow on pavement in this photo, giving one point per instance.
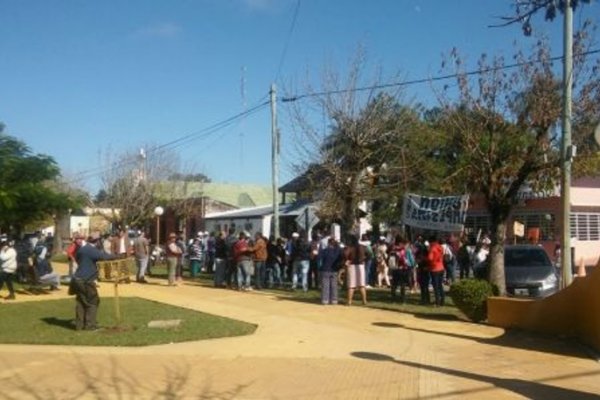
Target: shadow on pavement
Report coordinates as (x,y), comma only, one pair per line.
(514,339)
(306,300)
(114,381)
(528,389)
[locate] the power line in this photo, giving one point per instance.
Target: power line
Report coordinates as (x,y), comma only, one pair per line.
(201,134)
(426,80)
(287,40)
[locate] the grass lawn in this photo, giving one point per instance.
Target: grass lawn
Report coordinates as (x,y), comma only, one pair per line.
(381,299)
(51,322)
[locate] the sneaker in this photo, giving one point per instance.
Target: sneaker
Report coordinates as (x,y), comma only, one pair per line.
(10,297)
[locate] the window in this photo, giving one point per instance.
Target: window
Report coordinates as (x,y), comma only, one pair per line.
(585,226)
(545,222)
(476,223)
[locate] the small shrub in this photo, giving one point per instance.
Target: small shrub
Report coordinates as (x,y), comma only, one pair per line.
(470,296)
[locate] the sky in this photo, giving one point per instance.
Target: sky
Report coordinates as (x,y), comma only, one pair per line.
(82,79)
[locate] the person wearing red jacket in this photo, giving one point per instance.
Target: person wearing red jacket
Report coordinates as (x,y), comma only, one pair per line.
(435,261)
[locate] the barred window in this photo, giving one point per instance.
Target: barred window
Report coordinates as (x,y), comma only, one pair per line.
(545,222)
(585,226)
(476,223)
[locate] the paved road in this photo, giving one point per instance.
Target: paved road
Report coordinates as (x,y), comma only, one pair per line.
(304,351)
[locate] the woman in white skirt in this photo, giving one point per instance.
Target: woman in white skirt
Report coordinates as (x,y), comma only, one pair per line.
(354,256)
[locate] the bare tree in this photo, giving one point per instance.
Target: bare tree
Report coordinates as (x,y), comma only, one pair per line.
(503,129)
(361,151)
(136,182)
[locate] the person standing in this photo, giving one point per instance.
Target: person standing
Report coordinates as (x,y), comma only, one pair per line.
(120,246)
(8,266)
(231,268)
(180,242)
(300,255)
(383,263)
(195,254)
(260,259)
(211,241)
(313,267)
(354,260)
(401,274)
(464,257)
(141,250)
(423,276)
(435,260)
(243,258)
(449,259)
(220,260)
(330,261)
(275,262)
(174,254)
(107,243)
(83,284)
(71,250)
(370,259)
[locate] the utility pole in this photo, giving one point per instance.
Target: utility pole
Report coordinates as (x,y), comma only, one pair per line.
(275,160)
(567,150)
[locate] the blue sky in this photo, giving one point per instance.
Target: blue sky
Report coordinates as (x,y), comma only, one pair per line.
(80,76)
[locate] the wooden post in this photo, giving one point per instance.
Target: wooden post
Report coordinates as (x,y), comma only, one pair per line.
(117,304)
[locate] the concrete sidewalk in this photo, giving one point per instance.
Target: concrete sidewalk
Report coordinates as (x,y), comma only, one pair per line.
(305,351)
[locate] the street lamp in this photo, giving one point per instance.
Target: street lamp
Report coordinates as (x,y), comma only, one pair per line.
(158,211)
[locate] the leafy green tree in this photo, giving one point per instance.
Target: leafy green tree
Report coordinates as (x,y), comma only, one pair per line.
(28,186)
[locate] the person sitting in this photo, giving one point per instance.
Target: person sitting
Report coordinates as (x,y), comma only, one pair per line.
(45,274)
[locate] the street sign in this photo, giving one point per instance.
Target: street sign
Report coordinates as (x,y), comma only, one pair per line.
(519,229)
(307,219)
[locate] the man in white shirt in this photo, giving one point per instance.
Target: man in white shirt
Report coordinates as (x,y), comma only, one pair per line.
(8,266)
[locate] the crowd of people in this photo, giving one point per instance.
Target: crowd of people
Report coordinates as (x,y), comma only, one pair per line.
(27,260)
(247,262)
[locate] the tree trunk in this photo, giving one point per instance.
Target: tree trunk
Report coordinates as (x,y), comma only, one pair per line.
(61,231)
(496,255)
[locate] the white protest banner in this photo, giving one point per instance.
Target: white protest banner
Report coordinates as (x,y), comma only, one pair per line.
(446,214)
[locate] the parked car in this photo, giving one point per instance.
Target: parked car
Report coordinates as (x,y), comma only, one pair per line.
(529,271)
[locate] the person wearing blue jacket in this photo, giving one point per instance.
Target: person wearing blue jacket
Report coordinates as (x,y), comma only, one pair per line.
(83,283)
(330,261)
